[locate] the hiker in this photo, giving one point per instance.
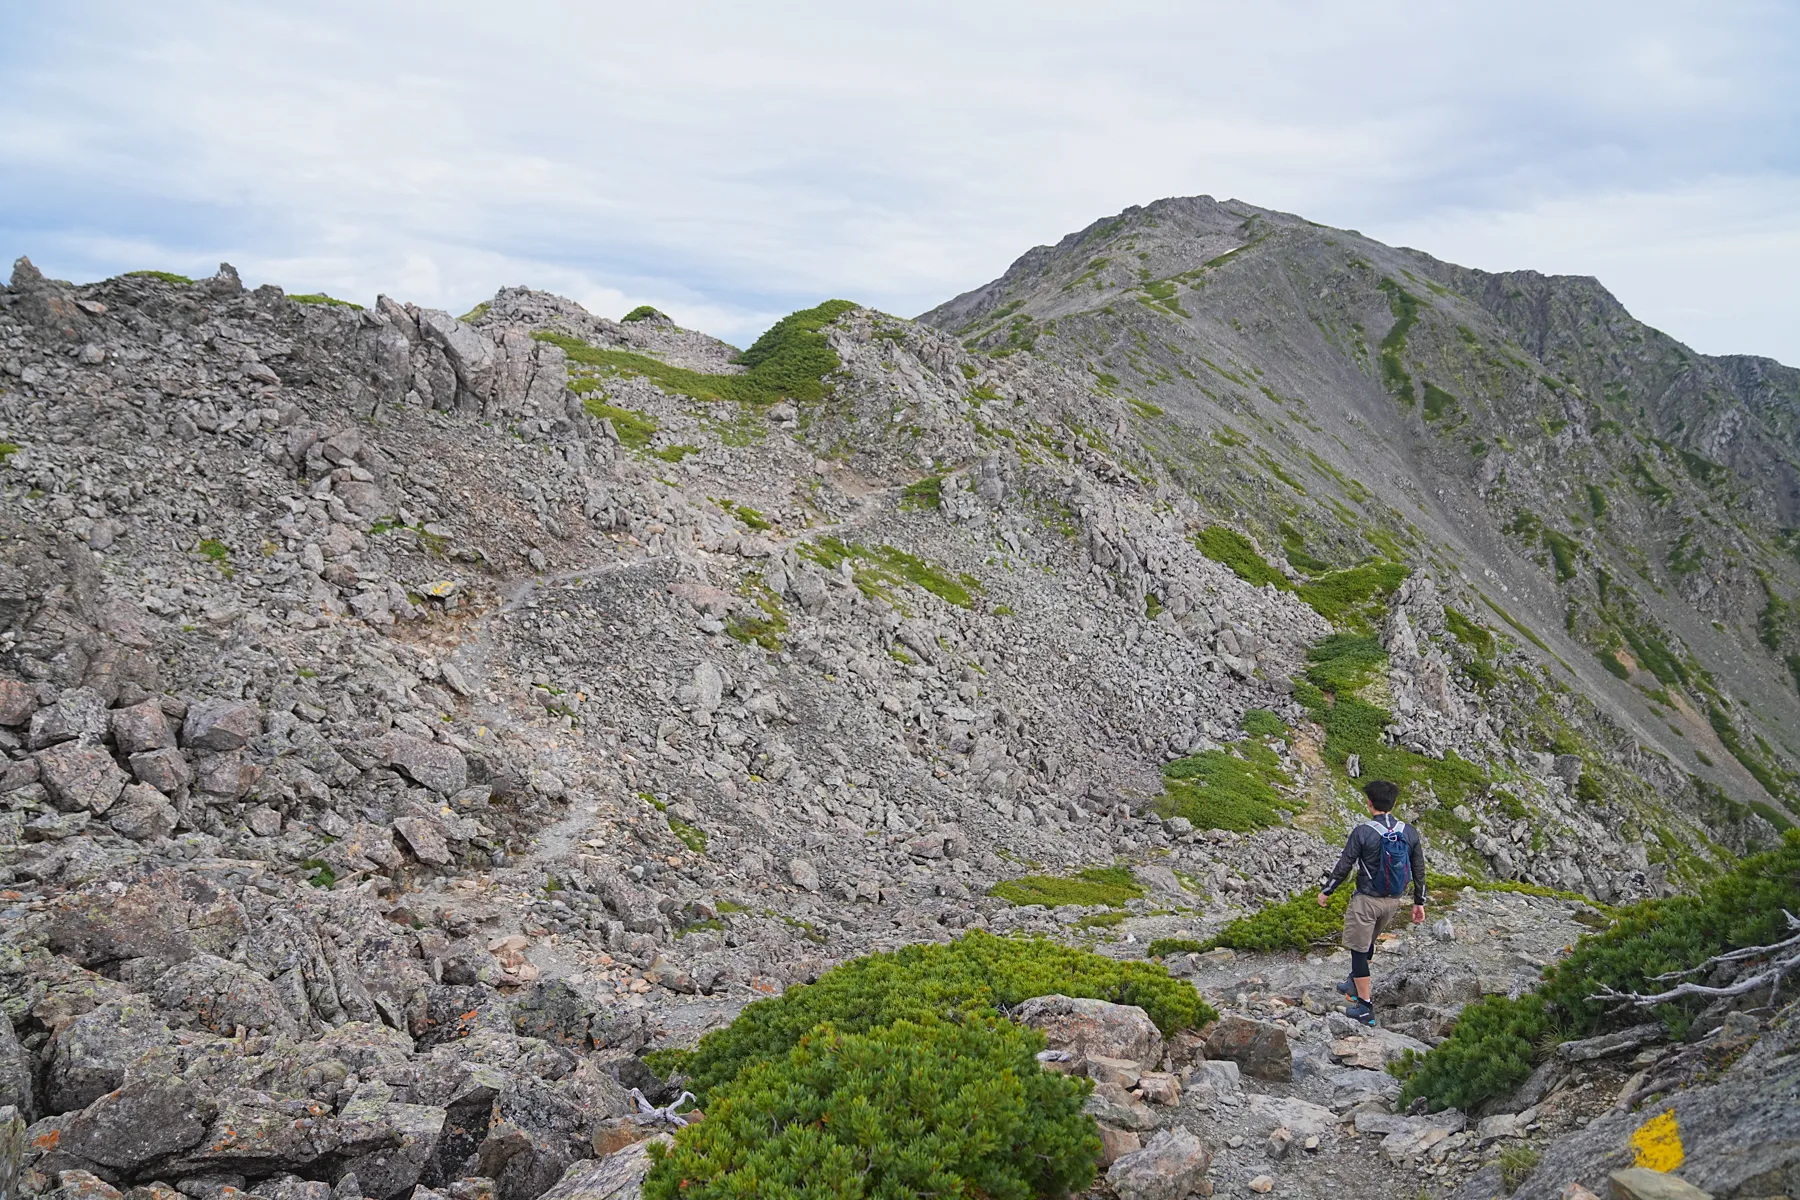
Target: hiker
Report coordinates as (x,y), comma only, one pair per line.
(1389,856)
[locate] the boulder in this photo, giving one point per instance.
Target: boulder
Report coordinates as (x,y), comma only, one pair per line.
(145,1120)
(425,838)
(223,996)
(441,768)
(392,1169)
(1608,1044)
(16,1068)
(17,702)
(80,777)
(1302,1117)
(1112,1105)
(220,725)
(1169,1167)
(141,727)
(1641,1183)
(166,770)
(1094,1028)
(142,814)
(618,1176)
(93,1051)
(1259,1047)
(79,715)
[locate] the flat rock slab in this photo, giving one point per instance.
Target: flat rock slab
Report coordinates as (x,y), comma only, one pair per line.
(1167,1168)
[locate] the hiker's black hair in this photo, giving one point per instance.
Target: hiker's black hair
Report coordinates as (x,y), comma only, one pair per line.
(1381,794)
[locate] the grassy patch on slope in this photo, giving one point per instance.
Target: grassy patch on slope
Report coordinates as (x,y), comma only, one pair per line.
(789,362)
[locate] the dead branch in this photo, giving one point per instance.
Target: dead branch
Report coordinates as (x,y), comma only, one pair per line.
(1780,965)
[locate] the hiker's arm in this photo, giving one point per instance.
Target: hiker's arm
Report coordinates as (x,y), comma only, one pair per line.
(1345,864)
(1418,868)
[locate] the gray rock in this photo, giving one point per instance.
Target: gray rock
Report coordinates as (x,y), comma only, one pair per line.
(220,725)
(1608,1044)
(804,875)
(1169,1167)
(18,701)
(426,840)
(141,1122)
(441,768)
(1641,1183)
(141,727)
(223,996)
(413,1130)
(79,714)
(142,814)
(93,1051)
(1290,1112)
(1090,1028)
(618,1176)
(12,1151)
(1259,1047)
(165,770)
(16,1069)
(80,777)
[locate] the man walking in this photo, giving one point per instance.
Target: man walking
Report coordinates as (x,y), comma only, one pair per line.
(1389,857)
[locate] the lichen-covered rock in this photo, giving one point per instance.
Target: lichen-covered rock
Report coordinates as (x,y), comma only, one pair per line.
(94,1051)
(220,725)
(224,997)
(79,714)
(141,1122)
(142,814)
(441,768)
(1092,1028)
(1170,1166)
(80,777)
(142,726)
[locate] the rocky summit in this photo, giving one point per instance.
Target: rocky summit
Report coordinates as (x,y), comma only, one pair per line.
(420,732)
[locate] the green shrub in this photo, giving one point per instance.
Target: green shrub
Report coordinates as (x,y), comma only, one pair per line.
(789,362)
(879,570)
(1295,924)
(1356,595)
(634,428)
(977,974)
(1260,722)
(1232,788)
(1405,307)
(164,276)
(922,1107)
(643,312)
(926,493)
(1163,947)
(1095,885)
(1478,638)
(1236,551)
(322,298)
(1491,1050)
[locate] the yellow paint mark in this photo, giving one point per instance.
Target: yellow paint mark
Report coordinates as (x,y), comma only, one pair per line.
(1658,1143)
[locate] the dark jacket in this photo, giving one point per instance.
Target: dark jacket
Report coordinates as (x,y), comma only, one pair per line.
(1362,850)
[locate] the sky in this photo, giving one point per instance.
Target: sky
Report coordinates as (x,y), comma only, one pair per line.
(731,162)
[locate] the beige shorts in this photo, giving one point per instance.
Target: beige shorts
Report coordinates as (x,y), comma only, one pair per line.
(1367,916)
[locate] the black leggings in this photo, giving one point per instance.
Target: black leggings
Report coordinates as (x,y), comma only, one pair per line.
(1359,964)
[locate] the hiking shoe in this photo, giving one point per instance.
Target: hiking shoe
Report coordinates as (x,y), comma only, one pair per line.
(1347,986)
(1362,1011)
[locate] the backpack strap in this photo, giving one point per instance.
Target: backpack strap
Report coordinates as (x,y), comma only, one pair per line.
(1384,830)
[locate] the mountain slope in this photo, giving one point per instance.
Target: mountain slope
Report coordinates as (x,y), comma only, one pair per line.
(1627,501)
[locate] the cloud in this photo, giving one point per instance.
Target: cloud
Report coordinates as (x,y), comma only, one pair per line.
(731,162)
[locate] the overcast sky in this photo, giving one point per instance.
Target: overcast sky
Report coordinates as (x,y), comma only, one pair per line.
(732,162)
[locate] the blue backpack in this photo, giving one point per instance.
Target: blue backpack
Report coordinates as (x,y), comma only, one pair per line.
(1393,870)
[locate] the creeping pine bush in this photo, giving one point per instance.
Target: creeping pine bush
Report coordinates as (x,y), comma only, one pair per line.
(929,1107)
(977,973)
(897,1075)
(1294,924)
(1491,1050)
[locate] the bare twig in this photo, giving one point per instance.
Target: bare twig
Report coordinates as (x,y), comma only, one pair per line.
(1779,965)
